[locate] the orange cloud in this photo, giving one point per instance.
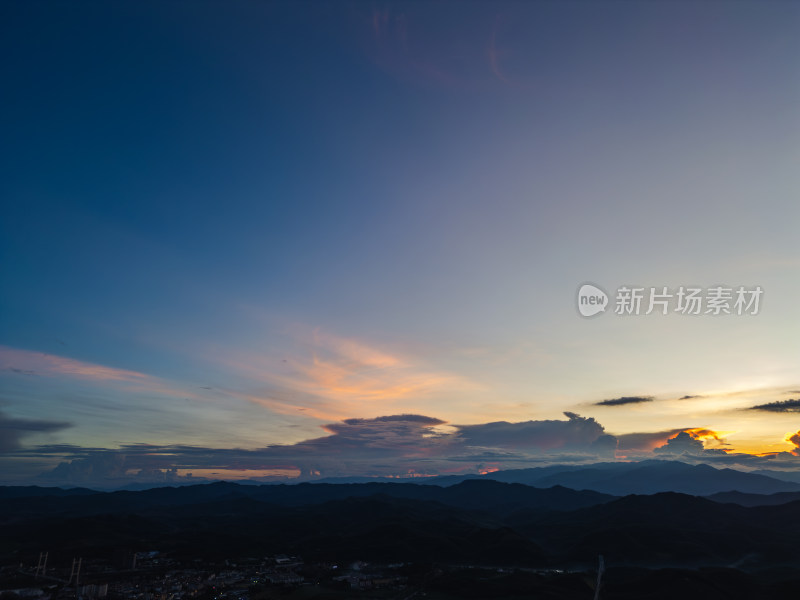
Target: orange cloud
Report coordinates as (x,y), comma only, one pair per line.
(705,435)
(794,439)
(339,377)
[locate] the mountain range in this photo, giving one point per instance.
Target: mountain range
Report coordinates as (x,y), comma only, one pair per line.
(479,520)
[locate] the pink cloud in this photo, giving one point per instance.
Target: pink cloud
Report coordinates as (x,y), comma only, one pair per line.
(51,365)
(40,363)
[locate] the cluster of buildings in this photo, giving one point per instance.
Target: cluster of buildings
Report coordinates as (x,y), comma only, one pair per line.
(152,576)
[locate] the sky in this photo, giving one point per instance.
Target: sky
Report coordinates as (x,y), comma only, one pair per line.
(254,239)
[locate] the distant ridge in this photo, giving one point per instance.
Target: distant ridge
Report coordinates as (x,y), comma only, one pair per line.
(646,477)
(743,499)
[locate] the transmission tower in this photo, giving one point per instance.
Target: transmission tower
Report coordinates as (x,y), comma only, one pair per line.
(76,571)
(41,567)
(600,569)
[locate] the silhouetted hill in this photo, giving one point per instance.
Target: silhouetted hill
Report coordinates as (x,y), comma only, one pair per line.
(668,529)
(374,528)
(743,499)
(483,495)
(475,521)
(31,491)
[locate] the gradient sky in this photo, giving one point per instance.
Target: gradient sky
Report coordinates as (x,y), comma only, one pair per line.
(242,238)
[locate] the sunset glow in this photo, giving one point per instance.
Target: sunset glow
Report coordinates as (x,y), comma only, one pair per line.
(297,240)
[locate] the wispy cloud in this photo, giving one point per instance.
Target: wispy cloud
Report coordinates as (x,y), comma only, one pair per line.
(624,400)
(39,363)
(335,377)
(425,44)
(27,362)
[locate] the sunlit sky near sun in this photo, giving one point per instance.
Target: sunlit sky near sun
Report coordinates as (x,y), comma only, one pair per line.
(250,238)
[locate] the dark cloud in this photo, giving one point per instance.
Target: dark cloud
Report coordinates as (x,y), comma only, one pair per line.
(91,469)
(624,400)
(58,451)
(13,430)
(395,424)
(574,433)
(382,446)
(683,443)
(791,405)
(112,467)
(21,371)
(688,397)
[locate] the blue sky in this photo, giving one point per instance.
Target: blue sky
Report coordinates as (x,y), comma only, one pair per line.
(235,225)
